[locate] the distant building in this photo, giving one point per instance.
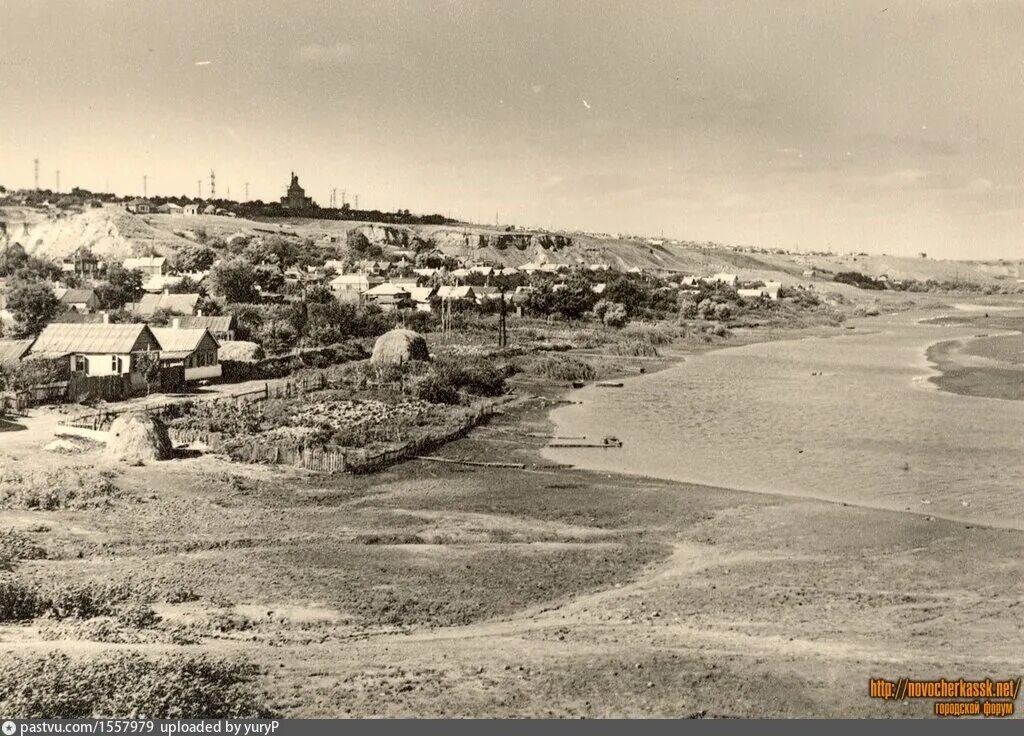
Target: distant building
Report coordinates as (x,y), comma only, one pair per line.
(190,209)
(82,262)
(150,304)
(169,208)
(222,327)
(80,300)
(296,198)
(389,296)
(149,266)
(139,207)
(348,284)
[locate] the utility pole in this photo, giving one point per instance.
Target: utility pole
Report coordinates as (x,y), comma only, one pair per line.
(247,191)
(334,198)
(502,330)
(213,185)
(229,191)
(36,162)
(357,201)
(199,188)
(145,186)
(58,181)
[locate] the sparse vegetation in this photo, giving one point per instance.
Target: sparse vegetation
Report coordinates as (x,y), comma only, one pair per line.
(129,685)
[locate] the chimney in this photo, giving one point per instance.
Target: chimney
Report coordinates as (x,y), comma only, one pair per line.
(199,312)
(176,323)
(167,291)
(106,317)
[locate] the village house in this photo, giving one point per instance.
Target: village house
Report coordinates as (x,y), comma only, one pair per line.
(83,301)
(347,286)
(421,296)
(389,297)
(169,208)
(81,263)
(150,304)
(223,326)
(139,207)
(96,350)
(193,349)
(190,210)
(456,293)
(729,279)
(148,265)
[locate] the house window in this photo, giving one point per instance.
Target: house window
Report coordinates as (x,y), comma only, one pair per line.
(113,364)
(80,365)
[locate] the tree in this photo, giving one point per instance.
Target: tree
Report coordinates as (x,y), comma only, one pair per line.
(121,287)
(33,305)
(615,315)
(198,257)
(269,279)
(13,258)
(235,280)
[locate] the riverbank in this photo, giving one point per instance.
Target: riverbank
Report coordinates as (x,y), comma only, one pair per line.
(436,589)
(986,366)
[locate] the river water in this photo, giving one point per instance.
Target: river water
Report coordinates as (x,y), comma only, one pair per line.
(869,430)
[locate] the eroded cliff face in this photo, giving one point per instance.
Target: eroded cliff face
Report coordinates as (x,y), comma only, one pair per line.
(461,240)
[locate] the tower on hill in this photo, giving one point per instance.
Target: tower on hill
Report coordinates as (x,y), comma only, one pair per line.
(296,198)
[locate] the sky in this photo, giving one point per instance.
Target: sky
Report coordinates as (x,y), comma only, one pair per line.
(868,125)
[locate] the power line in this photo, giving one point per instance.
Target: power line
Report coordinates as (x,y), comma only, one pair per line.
(36,162)
(247,191)
(145,187)
(213,185)
(58,181)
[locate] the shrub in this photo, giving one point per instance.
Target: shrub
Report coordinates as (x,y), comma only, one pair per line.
(635,349)
(138,616)
(19,601)
(562,368)
(448,378)
(50,490)
(129,685)
(88,600)
(616,315)
(15,546)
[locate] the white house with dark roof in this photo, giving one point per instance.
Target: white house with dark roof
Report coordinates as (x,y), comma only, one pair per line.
(96,349)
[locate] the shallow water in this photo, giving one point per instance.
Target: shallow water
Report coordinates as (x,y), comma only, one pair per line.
(871,430)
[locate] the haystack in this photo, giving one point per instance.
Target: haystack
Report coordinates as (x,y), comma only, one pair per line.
(399,346)
(136,437)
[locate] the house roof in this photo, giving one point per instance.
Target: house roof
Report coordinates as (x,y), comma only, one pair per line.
(386,290)
(181,339)
(178,303)
(12,351)
(456,292)
(76,317)
(422,293)
(213,323)
(77,296)
(62,339)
